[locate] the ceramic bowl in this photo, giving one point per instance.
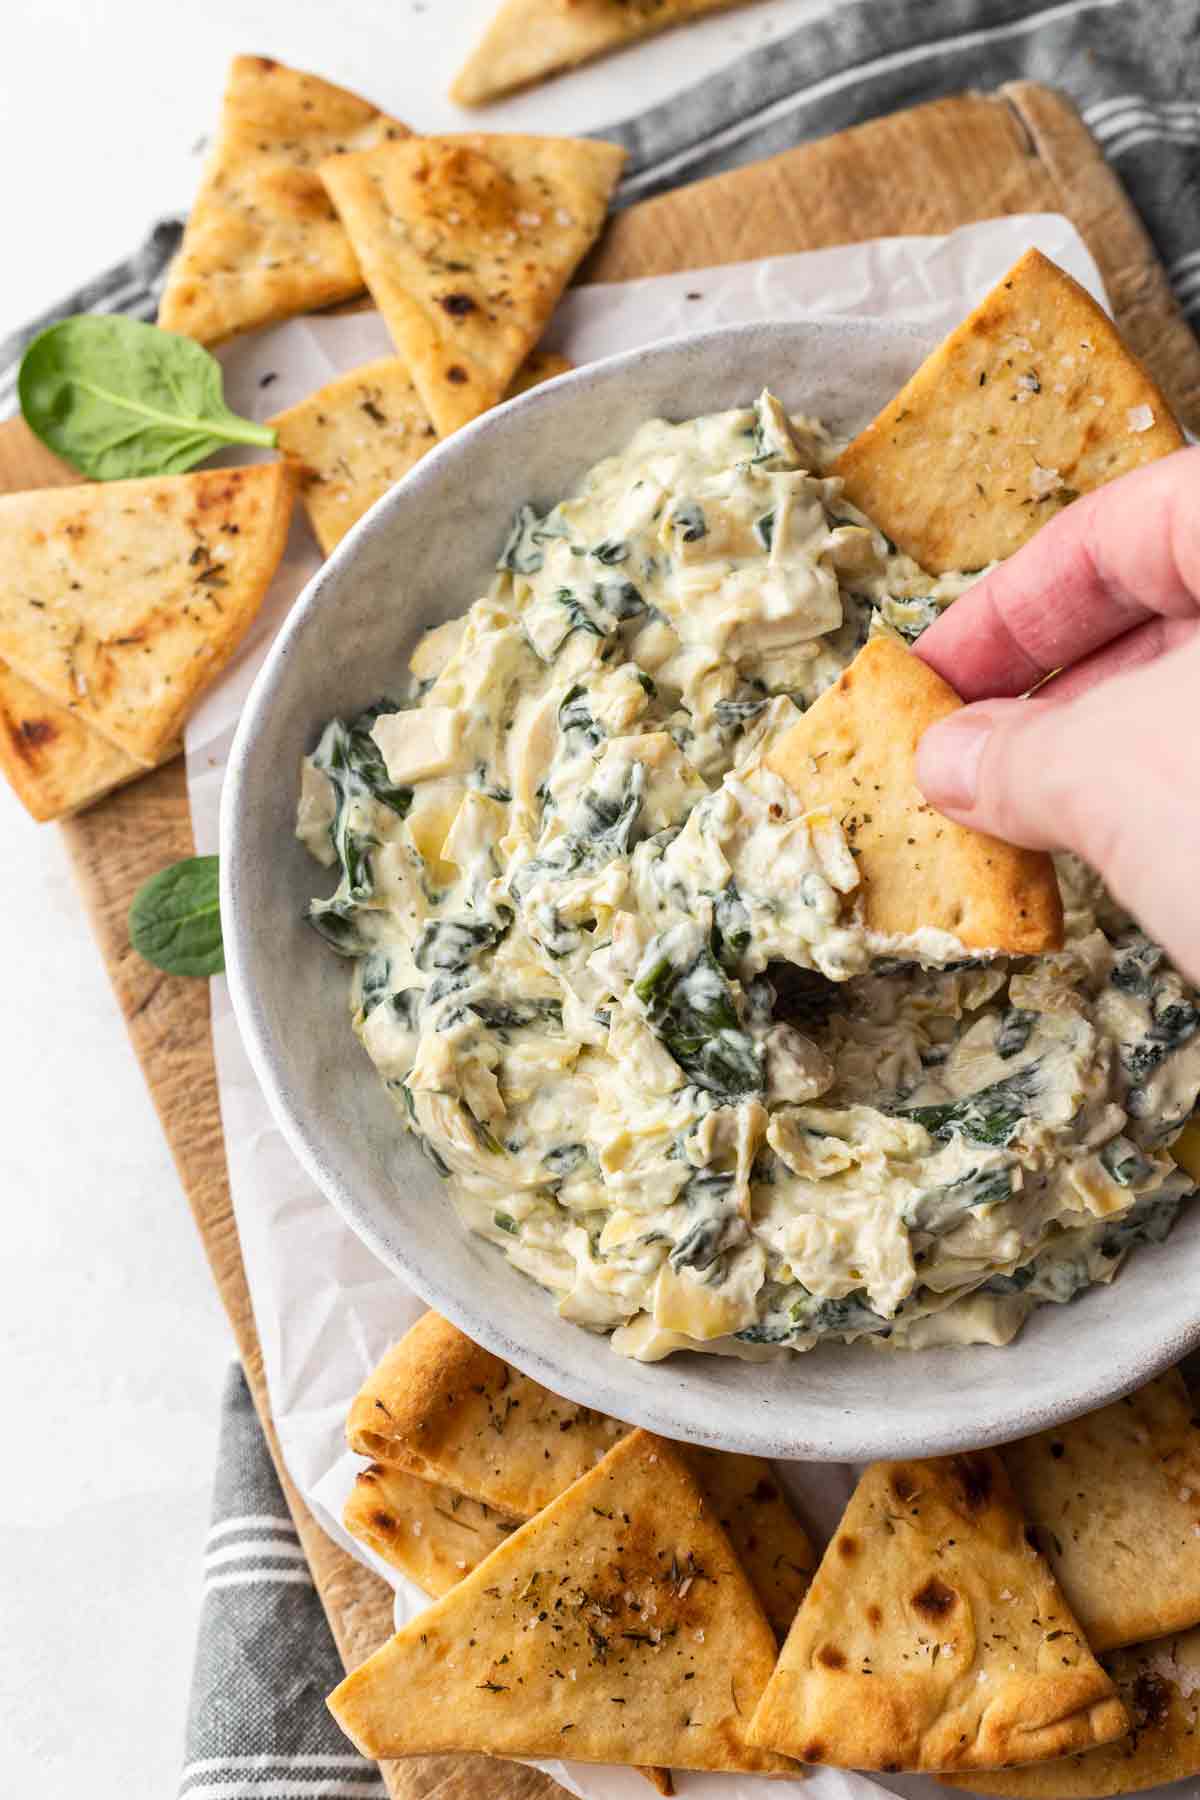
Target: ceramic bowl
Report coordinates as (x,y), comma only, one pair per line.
(423,554)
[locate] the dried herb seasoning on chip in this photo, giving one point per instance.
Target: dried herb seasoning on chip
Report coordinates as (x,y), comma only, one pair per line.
(466,244)
(262,241)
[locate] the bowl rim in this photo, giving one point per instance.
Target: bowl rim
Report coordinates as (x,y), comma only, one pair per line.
(845,1435)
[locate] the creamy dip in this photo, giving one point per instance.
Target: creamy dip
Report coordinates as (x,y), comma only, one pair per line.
(615,977)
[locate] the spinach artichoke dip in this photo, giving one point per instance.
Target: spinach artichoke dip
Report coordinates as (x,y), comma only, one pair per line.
(615,979)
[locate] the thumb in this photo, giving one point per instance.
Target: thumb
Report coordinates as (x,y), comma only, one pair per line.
(1110,774)
(1005,767)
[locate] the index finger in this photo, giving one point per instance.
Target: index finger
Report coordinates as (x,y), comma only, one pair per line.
(1117,557)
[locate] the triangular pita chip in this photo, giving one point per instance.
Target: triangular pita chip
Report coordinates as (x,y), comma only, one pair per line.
(445,1410)
(1035,398)
(56,764)
(616,1626)
(934,1636)
(466,244)
(262,241)
(359,435)
(772,1545)
(120,600)
(448,1410)
(436,1535)
(429,1532)
(854,752)
(529,40)
(1159,1684)
(1115,1499)
(433,1536)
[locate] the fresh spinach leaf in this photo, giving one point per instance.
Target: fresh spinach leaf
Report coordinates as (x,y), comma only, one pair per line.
(175,919)
(118,398)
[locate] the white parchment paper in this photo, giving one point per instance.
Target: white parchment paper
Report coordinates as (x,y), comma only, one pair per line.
(325,1309)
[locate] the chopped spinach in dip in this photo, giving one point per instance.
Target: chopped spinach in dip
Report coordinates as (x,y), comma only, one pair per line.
(615,978)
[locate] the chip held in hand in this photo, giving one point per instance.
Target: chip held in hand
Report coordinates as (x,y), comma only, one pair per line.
(854,751)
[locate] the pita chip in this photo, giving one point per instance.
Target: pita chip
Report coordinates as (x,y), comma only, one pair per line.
(1115,1500)
(262,241)
(1034,399)
(934,1636)
(445,1410)
(1159,1685)
(359,435)
(616,1626)
(55,763)
(771,1544)
(466,243)
(434,1536)
(429,1532)
(854,753)
(120,600)
(448,1410)
(529,40)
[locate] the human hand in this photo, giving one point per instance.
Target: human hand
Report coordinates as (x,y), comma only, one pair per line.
(1105,759)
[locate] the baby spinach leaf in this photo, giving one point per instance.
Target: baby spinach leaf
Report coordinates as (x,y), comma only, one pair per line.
(117,398)
(175,919)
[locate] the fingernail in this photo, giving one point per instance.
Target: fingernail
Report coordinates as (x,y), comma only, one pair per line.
(948,759)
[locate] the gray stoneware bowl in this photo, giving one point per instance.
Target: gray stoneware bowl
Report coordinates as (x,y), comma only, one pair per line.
(422,555)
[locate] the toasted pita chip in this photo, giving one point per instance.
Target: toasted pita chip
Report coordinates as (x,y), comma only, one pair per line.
(466,244)
(444,1408)
(1159,1684)
(262,241)
(120,600)
(1115,1498)
(429,1532)
(434,1536)
(358,436)
(616,1626)
(55,763)
(529,40)
(854,752)
(934,1636)
(772,1545)
(1035,398)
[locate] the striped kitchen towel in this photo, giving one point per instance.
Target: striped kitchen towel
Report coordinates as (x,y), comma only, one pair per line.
(258,1727)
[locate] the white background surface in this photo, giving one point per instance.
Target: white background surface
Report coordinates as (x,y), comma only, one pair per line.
(113,1346)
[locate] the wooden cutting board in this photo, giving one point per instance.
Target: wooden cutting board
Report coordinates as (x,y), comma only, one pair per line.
(926,170)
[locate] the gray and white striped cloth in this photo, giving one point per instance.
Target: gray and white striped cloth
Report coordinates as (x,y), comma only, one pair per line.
(258,1728)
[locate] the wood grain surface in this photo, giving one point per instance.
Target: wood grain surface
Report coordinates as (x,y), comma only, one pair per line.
(926,170)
